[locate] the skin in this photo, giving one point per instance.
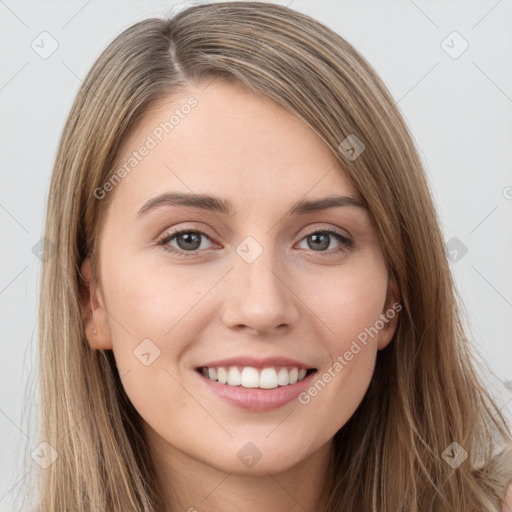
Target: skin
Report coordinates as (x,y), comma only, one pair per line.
(294,300)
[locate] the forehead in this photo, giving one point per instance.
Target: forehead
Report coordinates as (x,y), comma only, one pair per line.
(223,139)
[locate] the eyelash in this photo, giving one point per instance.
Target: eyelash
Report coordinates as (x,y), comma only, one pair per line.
(345,243)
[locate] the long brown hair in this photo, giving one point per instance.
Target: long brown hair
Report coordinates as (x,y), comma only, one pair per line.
(425,394)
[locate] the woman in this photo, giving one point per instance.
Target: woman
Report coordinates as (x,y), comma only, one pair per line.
(250,306)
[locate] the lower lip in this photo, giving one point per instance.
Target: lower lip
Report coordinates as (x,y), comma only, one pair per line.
(257,399)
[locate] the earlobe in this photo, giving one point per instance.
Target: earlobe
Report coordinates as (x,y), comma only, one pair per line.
(390,315)
(101,339)
(94,314)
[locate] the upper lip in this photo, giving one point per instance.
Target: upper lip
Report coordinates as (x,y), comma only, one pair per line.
(256,362)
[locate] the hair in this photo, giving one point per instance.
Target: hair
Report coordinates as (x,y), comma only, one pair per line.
(425,393)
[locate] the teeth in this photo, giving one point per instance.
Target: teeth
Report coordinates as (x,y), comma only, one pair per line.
(283,377)
(268,378)
(248,377)
(222,376)
(234,377)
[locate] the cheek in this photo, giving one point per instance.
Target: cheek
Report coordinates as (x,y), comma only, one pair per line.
(155,314)
(350,307)
(154,321)
(151,301)
(351,301)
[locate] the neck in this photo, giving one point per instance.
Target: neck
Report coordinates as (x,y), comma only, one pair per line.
(191,485)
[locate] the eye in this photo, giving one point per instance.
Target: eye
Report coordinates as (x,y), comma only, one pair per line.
(320,240)
(189,241)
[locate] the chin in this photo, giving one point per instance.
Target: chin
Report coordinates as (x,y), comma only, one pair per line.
(258,456)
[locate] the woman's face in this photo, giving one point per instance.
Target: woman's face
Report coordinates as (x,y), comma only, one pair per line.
(261,286)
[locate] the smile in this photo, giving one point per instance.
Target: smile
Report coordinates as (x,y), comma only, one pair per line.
(250,377)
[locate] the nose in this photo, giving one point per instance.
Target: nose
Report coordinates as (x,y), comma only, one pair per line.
(259,297)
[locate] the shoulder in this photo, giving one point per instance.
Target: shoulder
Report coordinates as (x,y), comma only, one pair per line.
(501,468)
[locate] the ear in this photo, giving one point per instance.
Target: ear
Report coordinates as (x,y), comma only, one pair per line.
(94,314)
(390,315)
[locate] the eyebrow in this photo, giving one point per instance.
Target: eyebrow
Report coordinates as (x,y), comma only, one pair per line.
(225,206)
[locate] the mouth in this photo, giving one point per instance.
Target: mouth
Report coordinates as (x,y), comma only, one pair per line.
(258,388)
(256,384)
(270,377)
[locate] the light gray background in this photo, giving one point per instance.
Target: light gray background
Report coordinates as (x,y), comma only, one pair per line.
(458,109)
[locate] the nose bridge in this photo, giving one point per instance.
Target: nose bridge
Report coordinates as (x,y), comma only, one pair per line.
(259,274)
(257,295)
